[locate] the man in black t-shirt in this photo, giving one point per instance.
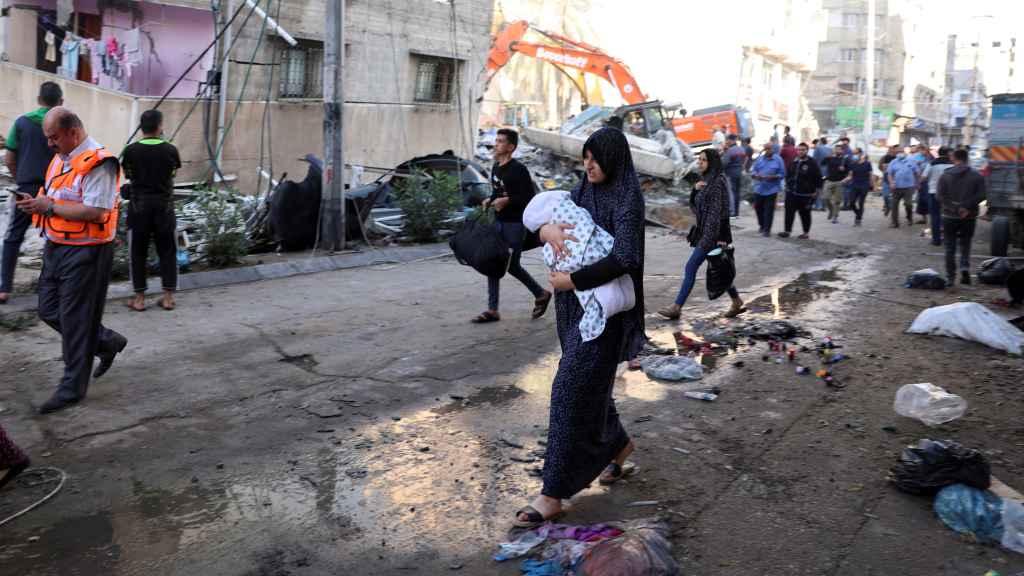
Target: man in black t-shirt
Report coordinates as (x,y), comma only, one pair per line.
(150,164)
(513,190)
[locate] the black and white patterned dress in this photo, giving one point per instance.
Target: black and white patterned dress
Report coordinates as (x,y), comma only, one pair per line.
(584,430)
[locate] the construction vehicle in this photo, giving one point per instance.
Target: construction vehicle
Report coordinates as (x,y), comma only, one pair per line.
(641,117)
(1006,172)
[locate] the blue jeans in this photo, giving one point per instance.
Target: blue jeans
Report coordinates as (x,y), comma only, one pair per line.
(697,257)
(15,235)
(734,195)
(513,233)
(935,213)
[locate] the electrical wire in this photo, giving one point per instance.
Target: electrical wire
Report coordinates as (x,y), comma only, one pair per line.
(40,502)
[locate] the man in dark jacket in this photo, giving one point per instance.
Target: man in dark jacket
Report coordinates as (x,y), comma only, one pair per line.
(960,191)
(803,182)
(28,156)
(513,190)
(733,160)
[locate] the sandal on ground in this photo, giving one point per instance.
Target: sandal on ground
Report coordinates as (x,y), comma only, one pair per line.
(485,317)
(540,305)
(534,518)
(165,306)
(614,472)
(131,305)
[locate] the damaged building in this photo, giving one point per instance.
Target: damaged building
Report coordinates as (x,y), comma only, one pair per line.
(411,84)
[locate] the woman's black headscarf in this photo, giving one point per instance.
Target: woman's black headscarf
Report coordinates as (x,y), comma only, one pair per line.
(617,205)
(714,164)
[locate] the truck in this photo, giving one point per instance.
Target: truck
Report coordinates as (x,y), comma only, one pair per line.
(1005,180)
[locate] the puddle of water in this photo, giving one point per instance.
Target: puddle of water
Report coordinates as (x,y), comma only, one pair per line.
(788,300)
(494,395)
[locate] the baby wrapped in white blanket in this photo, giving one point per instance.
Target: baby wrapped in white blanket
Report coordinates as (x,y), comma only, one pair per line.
(594,243)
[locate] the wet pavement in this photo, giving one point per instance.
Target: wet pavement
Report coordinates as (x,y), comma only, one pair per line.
(355,422)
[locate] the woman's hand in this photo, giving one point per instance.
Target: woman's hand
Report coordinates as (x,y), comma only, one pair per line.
(700,185)
(555,235)
(561,281)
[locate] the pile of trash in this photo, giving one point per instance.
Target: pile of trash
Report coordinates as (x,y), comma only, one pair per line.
(634,548)
(960,480)
(970,321)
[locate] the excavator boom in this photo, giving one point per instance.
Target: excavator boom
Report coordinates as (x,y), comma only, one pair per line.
(571,54)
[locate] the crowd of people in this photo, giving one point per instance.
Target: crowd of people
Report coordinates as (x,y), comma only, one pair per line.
(941,189)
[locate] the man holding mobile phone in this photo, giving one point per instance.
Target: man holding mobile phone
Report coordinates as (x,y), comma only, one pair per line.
(27,157)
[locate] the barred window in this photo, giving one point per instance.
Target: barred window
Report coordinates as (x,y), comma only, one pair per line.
(302,70)
(434,79)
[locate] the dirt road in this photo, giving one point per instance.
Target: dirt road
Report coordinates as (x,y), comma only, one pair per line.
(355,422)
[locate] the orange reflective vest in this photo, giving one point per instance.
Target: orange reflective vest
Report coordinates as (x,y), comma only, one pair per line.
(64,186)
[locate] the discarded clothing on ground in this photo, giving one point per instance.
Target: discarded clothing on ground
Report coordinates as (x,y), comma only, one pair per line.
(644,550)
(721,272)
(635,548)
(995,271)
(593,244)
(970,321)
(929,404)
(479,245)
(933,465)
(927,279)
(673,368)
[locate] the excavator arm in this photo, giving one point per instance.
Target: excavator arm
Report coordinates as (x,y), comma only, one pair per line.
(567,54)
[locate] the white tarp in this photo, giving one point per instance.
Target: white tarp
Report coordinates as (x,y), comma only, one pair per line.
(970,321)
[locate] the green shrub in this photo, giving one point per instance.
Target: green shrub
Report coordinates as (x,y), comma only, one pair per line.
(427,200)
(221,228)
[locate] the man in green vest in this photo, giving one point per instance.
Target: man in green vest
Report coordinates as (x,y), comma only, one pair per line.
(150,164)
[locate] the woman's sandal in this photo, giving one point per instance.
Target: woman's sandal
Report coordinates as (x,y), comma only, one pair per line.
(540,306)
(485,317)
(534,518)
(614,472)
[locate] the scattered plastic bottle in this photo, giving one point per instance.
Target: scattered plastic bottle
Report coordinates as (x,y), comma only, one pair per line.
(827,342)
(705,396)
(801,370)
(792,355)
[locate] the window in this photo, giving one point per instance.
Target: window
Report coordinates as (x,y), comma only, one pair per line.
(849,54)
(846,88)
(434,79)
(302,70)
(855,20)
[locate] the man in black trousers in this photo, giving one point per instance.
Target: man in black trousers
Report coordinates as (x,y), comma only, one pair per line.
(803,184)
(150,164)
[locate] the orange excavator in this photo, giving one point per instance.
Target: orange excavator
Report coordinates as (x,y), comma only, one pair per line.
(564,53)
(641,116)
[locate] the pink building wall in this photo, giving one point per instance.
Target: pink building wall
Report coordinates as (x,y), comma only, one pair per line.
(170,38)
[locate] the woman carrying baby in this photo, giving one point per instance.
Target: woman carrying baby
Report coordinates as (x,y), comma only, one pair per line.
(585,435)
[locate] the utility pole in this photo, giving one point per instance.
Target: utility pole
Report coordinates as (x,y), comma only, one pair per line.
(222,106)
(332,202)
(869,89)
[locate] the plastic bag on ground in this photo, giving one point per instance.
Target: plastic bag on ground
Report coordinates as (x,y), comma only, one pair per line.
(1013,525)
(975,513)
(927,278)
(929,404)
(933,465)
(673,368)
(644,550)
(970,321)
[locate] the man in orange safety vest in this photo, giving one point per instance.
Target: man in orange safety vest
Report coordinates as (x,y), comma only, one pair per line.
(77,209)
